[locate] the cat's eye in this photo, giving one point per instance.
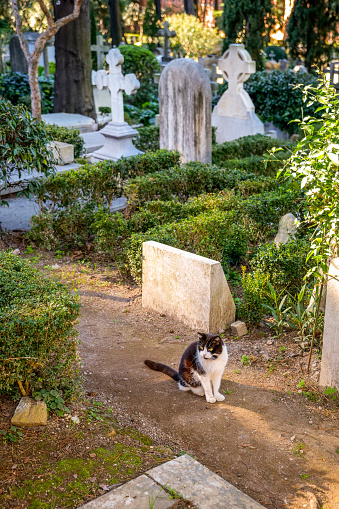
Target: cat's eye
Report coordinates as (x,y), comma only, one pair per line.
(210,349)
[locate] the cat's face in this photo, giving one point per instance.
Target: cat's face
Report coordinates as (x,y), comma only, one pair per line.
(209,345)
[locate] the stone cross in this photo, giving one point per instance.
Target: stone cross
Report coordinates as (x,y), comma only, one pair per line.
(116,84)
(166,33)
(101,49)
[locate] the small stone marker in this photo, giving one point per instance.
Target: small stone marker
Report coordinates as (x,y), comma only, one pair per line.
(100,50)
(30,412)
(329,374)
(63,153)
(166,33)
(188,287)
(239,328)
(185,110)
(118,134)
(234,114)
(287,229)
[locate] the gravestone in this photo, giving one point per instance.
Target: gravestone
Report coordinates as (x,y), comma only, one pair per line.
(166,33)
(188,287)
(329,374)
(234,115)
(185,110)
(100,50)
(118,134)
(17,58)
(102,98)
(287,229)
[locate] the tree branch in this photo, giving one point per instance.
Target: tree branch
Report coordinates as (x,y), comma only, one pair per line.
(46,12)
(18,24)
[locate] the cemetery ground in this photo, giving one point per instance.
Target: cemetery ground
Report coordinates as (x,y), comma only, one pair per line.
(275,437)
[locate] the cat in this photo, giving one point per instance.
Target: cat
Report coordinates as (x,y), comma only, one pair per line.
(201,367)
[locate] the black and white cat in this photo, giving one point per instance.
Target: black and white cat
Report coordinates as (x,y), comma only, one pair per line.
(201,367)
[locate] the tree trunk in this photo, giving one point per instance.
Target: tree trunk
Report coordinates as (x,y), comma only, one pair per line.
(73,66)
(158,8)
(189,7)
(115,15)
(35,89)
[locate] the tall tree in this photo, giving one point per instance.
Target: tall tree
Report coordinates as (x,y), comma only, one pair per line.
(33,59)
(73,66)
(116,24)
(312,29)
(248,21)
(189,7)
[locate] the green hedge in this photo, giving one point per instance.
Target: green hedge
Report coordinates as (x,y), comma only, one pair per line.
(182,182)
(102,182)
(147,139)
(38,339)
(247,146)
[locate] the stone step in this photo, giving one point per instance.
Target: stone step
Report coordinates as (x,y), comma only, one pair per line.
(187,477)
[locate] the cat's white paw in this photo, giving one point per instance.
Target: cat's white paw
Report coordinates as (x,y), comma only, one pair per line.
(210,400)
(219,397)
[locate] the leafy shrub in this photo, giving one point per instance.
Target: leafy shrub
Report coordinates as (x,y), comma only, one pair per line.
(192,36)
(141,62)
(254,145)
(102,182)
(285,265)
(278,51)
(182,182)
(66,135)
(254,286)
(23,145)
(38,339)
(147,139)
(14,86)
(277,100)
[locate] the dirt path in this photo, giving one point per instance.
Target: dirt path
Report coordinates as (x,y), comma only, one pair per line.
(266,439)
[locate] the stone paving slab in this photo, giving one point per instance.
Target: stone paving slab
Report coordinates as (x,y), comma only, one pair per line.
(199,485)
(136,494)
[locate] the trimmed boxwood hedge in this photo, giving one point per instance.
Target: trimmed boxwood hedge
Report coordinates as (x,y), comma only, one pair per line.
(38,338)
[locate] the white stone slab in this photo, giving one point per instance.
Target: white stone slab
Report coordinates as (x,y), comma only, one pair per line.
(63,153)
(81,122)
(30,412)
(199,485)
(136,494)
(191,288)
(93,141)
(329,374)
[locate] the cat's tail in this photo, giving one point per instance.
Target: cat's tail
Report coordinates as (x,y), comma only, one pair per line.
(163,369)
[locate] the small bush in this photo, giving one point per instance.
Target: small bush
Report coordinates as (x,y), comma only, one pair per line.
(38,339)
(278,51)
(251,309)
(285,265)
(66,135)
(14,87)
(147,139)
(277,100)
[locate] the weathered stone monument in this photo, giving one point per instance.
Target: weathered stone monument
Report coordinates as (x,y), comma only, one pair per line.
(166,33)
(329,374)
(100,48)
(234,115)
(185,110)
(118,134)
(189,287)
(17,58)
(287,229)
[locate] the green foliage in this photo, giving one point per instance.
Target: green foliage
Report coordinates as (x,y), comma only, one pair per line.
(332,392)
(13,435)
(314,168)
(23,145)
(38,339)
(54,401)
(66,135)
(286,264)
(111,232)
(14,87)
(277,307)
(143,64)
(311,31)
(151,24)
(255,145)
(254,286)
(277,99)
(147,139)
(249,22)
(192,37)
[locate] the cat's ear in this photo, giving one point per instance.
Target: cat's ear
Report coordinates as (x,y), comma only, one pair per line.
(201,335)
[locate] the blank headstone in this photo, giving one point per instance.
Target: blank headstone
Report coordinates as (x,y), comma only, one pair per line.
(185,110)
(188,287)
(17,58)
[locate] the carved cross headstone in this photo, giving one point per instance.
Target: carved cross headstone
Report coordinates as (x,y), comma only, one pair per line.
(100,49)
(166,33)
(236,66)
(116,83)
